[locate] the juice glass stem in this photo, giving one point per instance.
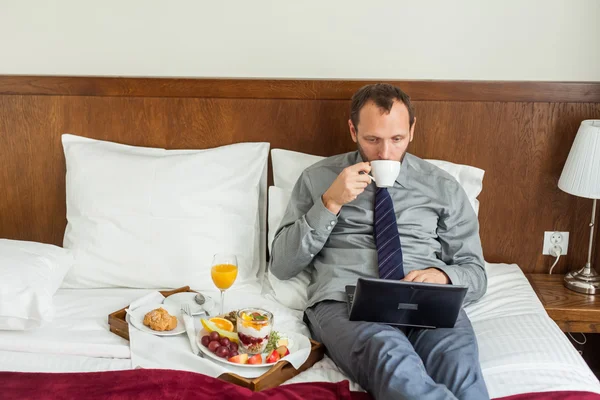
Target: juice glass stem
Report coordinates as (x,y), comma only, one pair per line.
(222,300)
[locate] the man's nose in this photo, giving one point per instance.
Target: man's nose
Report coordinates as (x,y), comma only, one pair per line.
(384,151)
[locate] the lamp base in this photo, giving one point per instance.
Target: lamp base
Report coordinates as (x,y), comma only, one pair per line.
(582,282)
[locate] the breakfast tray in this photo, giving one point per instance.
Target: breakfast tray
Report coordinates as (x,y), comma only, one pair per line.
(273,377)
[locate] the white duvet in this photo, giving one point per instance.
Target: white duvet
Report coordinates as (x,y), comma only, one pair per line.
(521,349)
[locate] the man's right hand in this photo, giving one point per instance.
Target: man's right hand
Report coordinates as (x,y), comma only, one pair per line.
(351,182)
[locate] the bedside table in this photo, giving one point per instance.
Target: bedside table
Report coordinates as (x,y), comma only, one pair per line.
(572,311)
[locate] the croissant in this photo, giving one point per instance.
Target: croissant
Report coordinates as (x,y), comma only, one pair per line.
(160,320)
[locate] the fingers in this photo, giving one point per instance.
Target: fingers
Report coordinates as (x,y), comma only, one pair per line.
(411,276)
(422,276)
(360,185)
(361,167)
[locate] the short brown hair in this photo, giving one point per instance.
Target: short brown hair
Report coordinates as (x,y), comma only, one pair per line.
(383,95)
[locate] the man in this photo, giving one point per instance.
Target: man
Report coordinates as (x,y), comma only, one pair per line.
(329,228)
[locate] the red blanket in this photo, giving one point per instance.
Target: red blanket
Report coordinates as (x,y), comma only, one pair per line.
(553,396)
(151,384)
(155,384)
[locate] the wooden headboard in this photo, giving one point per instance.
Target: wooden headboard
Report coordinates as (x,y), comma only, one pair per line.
(520,133)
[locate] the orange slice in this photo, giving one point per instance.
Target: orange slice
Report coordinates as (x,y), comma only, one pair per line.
(222,323)
(210,327)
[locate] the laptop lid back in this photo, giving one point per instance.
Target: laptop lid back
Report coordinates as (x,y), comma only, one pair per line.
(407,303)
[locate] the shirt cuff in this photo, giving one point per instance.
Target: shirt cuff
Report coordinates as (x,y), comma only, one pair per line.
(320,219)
(450,270)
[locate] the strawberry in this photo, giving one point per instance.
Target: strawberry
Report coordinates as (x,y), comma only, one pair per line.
(282,351)
(239,359)
(255,359)
(273,357)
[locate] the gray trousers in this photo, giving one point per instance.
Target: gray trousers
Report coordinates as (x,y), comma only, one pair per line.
(407,363)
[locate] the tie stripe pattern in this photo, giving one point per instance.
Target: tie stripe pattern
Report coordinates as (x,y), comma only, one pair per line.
(387,238)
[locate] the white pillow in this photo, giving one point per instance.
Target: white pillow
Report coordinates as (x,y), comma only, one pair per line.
(289,165)
(30,274)
(150,218)
(291,293)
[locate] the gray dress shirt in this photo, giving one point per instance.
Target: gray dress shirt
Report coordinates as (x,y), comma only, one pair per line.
(437,225)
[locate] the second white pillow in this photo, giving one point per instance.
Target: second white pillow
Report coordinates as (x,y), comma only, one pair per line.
(30,274)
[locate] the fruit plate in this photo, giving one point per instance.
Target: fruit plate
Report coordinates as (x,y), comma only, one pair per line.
(298,345)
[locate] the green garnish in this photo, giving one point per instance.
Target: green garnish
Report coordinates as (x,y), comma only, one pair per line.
(272,343)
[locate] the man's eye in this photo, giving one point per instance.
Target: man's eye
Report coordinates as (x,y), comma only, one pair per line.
(371,140)
(397,139)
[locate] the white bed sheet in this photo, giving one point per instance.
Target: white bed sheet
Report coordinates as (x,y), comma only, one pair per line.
(77,339)
(521,349)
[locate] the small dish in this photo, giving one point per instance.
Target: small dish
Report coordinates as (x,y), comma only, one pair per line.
(177,299)
(136,317)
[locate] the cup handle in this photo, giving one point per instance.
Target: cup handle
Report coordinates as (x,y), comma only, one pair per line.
(369,175)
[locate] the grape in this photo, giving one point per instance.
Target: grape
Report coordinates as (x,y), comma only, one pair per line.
(213,346)
(222,351)
(225,341)
(214,335)
(233,346)
(205,340)
(233,353)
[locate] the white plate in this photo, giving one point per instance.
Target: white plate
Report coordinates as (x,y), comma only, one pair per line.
(137,319)
(177,299)
(293,338)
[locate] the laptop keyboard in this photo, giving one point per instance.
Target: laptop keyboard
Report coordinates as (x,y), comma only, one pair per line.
(350,298)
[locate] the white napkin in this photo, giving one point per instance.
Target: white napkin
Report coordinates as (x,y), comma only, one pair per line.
(174,352)
(188,321)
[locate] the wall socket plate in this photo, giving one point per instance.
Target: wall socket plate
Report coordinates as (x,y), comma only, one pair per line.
(553,238)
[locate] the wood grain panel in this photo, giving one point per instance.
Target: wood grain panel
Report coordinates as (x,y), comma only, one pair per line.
(555,126)
(522,146)
(297,89)
(572,311)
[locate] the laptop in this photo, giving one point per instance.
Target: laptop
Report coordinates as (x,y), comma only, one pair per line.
(423,305)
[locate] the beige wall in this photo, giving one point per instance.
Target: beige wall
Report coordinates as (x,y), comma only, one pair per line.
(556,40)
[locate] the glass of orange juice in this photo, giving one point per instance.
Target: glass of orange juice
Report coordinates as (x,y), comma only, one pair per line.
(223,273)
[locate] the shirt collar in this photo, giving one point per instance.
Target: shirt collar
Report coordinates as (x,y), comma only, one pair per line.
(402,178)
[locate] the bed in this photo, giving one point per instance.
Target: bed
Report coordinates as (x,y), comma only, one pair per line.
(521,349)
(513,331)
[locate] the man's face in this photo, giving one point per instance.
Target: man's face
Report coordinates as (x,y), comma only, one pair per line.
(380,135)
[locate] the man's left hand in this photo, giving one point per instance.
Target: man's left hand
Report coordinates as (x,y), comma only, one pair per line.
(429,275)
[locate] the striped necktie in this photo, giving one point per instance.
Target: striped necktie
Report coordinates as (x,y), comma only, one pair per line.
(387,238)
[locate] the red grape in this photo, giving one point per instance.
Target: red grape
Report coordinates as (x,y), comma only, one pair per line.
(233,346)
(225,341)
(205,340)
(222,351)
(214,335)
(213,346)
(233,353)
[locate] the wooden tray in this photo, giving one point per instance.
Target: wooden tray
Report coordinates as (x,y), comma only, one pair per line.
(275,376)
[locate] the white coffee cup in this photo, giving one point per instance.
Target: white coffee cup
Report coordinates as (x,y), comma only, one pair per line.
(385,172)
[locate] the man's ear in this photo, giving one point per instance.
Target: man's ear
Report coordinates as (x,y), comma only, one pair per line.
(412,129)
(353,131)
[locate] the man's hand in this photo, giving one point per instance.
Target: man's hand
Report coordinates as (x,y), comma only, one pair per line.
(429,275)
(347,186)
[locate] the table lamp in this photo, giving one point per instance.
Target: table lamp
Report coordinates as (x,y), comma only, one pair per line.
(581,177)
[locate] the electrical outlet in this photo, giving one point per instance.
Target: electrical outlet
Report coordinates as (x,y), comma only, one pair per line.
(555,238)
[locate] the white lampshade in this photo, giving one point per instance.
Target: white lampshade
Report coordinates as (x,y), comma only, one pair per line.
(581,173)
